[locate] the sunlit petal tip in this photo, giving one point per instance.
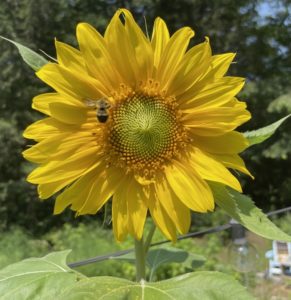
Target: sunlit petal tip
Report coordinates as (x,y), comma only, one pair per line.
(232,55)
(125,11)
(159,20)
(189,31)
(251,175)
(210,207)
(26,133)
(83,28)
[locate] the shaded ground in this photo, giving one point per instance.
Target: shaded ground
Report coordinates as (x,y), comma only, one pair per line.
(273,289)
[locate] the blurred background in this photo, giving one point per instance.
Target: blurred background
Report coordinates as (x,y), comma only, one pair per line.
(258,31)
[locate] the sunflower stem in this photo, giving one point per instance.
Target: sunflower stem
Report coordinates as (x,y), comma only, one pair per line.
(148,241)
(140,257)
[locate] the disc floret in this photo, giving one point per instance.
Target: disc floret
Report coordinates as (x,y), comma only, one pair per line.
(144,133)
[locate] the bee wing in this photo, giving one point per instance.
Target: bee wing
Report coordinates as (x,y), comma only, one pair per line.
(103,103)
(90,103)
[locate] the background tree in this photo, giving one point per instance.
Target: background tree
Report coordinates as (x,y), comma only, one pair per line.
(258,31)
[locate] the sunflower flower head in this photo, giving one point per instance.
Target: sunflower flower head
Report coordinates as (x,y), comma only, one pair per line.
(144,122)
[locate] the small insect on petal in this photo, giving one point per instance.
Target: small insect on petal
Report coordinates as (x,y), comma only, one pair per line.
(101,105)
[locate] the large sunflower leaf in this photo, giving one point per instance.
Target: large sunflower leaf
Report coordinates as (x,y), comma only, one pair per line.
(191,286)
(37,278)
(262,134)
(241,208)
(33,59)
(163,255)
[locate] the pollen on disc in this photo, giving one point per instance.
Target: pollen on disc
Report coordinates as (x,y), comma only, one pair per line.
(144,132)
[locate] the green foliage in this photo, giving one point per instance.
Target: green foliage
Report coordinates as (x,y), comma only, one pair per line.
(16,244)
(90,241)
(281,105)
(37,278)
(281,149)
(192,286)
(33,59)
(260,135)
(284,223)
(10,151)
(244,211)
(163,255)
(49,277)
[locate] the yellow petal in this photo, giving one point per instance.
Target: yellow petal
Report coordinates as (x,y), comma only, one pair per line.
(173,53)
(42,102)
(211,169)
(229,143)
(90,192)
(40,152)
(160,217)
(137,209)
(219,65)
(97,56)
(71,83)
(217,93)
(68,113)
(160,39)
(77,194)
(215,120)
(120,211)
(176,210)
(117,38)
(58,170)
(46,190)
(46,128)
(190,188)
(70,57)
(193,65)
(59,147)
(102,189)
(233,161)
(141,46)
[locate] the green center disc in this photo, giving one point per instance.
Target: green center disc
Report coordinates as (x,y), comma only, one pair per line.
(143,128)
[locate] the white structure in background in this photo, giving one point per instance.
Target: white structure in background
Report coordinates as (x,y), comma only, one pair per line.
(279,259)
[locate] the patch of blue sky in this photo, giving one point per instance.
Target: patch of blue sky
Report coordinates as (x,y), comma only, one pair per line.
(270,8)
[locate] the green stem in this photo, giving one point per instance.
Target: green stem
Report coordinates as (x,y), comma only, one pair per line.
(139,260)
(148,241)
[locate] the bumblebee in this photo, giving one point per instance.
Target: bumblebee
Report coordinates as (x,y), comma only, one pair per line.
(101,105)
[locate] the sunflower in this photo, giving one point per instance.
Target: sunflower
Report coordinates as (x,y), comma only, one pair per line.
(160,128)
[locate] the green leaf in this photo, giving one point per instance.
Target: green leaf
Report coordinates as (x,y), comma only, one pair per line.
(242,209)
(50,278)
(262,134)
(37,278)
(191,286)
(163,255)
(33,59)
